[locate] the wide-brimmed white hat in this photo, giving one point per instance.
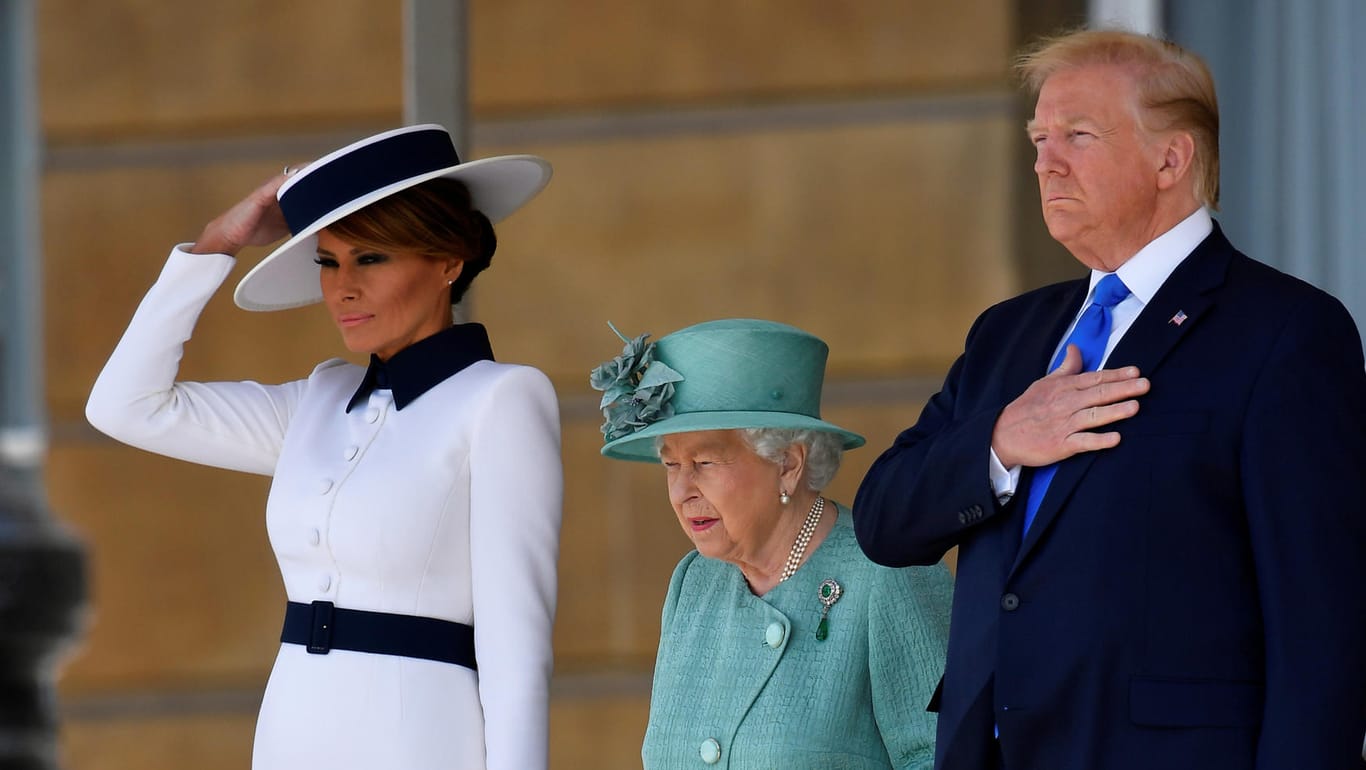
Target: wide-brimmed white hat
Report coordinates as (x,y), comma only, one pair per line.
(361,173)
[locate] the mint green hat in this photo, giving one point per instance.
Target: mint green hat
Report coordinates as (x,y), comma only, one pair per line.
(718,375)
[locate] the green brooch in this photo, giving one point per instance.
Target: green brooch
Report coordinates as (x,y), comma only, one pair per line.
(829,593)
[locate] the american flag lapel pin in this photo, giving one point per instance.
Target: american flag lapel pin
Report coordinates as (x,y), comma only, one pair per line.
(1179,318)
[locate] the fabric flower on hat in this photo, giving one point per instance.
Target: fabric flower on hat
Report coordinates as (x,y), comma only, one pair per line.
(636,389)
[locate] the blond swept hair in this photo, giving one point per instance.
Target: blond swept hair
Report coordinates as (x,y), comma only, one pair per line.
(1174,86)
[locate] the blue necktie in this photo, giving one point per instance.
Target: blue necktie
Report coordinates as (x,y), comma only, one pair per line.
(1091,335)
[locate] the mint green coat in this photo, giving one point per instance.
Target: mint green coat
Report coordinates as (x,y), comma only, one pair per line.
(741,681)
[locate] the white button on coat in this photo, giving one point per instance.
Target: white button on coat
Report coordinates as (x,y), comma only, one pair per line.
(324,486)
(325,583)
(351,452)
(314,536)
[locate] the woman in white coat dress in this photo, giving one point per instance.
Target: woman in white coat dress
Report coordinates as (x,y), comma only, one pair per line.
(415,507)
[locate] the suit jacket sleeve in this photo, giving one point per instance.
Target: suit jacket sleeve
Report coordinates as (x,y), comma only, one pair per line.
(932,487)
(1304,450)
(137,400)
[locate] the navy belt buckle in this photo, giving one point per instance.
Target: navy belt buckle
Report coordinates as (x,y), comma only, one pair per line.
(320,628)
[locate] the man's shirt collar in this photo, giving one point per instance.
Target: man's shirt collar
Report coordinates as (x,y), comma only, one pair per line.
(1146,271)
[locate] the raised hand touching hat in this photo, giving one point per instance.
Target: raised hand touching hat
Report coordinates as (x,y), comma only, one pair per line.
(359,174)
(256,220)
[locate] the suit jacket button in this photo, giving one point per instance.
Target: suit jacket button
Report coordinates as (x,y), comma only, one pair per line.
(1010,602)
(962,517)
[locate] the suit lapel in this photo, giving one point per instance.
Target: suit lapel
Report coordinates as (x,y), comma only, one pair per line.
(1177,308)
(1029,361)
(1026,362)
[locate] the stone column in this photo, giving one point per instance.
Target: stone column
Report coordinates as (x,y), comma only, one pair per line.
(42,568)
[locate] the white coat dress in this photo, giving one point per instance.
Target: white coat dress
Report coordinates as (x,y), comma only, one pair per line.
(448,508)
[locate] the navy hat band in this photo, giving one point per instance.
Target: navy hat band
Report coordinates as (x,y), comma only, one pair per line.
(363,171)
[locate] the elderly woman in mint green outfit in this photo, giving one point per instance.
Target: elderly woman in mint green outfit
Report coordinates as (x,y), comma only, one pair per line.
(781,645)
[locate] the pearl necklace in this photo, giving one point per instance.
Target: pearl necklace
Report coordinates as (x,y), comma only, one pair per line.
(794,557)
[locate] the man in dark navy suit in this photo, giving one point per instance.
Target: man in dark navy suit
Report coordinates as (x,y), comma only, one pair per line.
(1153,475)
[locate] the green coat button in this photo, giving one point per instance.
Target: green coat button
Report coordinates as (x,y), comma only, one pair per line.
(710,751)
(773,636)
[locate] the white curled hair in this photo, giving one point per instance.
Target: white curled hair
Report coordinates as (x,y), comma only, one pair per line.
(824,450)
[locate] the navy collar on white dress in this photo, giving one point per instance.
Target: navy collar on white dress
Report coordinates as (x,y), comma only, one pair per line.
(424,364)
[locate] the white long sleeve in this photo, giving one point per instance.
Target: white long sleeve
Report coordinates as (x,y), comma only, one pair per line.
(515,502)
(136,399)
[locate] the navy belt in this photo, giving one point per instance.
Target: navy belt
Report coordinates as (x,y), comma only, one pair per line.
(322,627)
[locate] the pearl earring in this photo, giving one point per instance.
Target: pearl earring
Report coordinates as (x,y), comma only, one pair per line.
(784,497)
